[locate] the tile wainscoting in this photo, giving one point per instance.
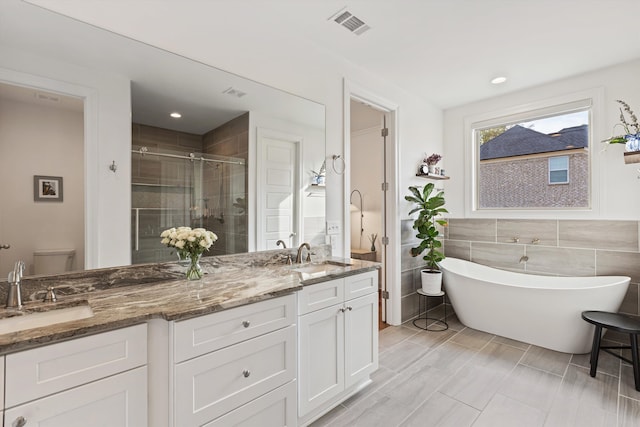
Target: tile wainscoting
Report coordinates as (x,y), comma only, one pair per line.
(553,247)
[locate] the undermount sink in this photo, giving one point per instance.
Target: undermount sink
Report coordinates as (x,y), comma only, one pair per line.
(309,271)
(37,319)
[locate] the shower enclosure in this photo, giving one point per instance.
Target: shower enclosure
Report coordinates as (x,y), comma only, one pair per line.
(172,188)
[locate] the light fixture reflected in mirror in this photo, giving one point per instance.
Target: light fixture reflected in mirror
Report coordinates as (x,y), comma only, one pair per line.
(354,207)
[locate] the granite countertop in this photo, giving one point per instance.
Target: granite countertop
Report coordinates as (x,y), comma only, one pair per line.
(126,296)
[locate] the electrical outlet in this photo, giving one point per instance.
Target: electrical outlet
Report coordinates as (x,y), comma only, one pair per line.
(333,227)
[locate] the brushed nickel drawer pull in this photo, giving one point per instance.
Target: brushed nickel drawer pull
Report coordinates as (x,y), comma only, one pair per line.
(246,323)
(246,373)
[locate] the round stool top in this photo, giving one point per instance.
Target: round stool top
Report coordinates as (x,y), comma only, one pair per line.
(421,292)
(615,321)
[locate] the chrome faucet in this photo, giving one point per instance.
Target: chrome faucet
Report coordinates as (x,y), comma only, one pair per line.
(14,296)
(299,256)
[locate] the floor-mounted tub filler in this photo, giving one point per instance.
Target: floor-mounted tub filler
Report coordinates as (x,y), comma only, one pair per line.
(540,310)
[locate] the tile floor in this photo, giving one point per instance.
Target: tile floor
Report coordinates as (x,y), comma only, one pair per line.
(463,377)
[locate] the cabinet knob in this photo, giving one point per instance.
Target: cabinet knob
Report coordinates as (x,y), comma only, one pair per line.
(349,308)
(246,323)
(246,373)
(19,422)
(342,310)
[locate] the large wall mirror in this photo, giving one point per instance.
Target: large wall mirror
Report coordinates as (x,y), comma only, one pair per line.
(240,160)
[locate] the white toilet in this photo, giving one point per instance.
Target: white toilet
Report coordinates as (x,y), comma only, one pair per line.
(53,261)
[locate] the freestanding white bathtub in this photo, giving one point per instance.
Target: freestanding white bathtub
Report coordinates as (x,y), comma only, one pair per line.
(540,310)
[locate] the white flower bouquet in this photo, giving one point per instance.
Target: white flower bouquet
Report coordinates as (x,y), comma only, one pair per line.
(189,243)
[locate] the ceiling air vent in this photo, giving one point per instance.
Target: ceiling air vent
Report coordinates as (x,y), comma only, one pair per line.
(349,21)
(46,97)
(234,92)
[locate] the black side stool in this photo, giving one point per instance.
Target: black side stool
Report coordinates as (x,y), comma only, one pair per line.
(441,325)
(619,323)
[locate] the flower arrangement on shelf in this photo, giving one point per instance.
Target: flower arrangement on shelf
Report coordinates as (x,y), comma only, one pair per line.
(631,137)
(189,244)
(432,159)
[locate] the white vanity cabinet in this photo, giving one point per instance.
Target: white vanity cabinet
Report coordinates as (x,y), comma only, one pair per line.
(237,366)
(338,335)
(97,380)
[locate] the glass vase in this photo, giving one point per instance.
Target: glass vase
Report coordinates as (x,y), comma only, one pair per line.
(194,271)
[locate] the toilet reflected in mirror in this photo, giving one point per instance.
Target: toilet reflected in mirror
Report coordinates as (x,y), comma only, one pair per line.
(53,261)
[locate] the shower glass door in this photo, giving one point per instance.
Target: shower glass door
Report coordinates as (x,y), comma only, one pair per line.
(172,189)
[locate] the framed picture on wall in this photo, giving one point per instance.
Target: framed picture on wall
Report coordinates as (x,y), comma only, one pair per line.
(47,188)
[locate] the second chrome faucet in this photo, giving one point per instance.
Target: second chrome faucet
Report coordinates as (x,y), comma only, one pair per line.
(14,296)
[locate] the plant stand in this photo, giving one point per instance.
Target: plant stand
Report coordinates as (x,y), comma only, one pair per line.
(441,325)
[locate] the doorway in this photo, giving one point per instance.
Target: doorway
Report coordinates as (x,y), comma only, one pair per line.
(371,217)
(41,143)
(366,199)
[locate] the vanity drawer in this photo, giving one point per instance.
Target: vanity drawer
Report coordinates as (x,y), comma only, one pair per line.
(201,335)
(211,385)
(35,373)
(320,295)
(360,285)
(275,409)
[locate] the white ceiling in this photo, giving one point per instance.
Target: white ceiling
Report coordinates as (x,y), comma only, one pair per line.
(160,82)
(445,51)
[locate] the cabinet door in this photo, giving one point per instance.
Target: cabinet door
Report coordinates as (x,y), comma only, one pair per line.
(361,338)
(120,400)
(321,357)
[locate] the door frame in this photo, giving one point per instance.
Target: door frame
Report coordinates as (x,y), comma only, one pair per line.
(392,278)
(90,100)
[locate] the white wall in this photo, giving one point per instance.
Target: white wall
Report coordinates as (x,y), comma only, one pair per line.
(40,140)
(615,184)
(107,139)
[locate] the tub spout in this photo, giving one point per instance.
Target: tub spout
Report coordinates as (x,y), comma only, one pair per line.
(524,258)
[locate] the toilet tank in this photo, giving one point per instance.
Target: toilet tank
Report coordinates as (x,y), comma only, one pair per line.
(53,261)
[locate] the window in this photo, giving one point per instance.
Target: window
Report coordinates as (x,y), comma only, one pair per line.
(559,170)
(517,157)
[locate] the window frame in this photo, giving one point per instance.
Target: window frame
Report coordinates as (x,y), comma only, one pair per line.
(564,156)
(592,99)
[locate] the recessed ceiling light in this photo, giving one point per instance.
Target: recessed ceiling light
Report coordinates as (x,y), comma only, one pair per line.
(498,80)
(175,115)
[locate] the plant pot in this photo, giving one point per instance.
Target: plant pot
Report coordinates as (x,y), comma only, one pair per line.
(431,281)
(432,169)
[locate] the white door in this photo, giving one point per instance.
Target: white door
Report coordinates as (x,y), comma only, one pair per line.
(321,357)
(120,400)
(277,189)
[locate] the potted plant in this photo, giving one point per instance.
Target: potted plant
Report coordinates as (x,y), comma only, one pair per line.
(428,207)
(432,161)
